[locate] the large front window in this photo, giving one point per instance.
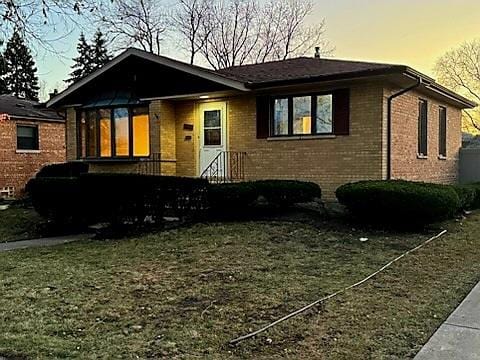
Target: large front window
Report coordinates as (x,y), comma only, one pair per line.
(114,133)
(302,115)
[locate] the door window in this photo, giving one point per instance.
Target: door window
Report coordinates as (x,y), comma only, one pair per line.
(212,128)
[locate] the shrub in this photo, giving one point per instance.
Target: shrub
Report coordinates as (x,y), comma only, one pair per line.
(117,198)
(476,199)
(467,195)
(235,197)
(68,169)
(285,193)
(238,197)
(57,199)
(399,203)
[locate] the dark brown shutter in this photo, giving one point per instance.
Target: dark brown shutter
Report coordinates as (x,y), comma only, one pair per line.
(341,112)
(263,117)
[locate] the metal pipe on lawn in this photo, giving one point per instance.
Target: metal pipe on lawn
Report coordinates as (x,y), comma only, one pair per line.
(389,123)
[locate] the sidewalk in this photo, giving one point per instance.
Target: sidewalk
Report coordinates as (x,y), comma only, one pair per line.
(459,336)
(15,245)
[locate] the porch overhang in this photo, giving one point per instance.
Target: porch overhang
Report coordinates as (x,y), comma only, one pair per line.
(145,76)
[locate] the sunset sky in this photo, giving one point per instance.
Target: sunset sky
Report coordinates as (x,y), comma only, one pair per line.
(412,32)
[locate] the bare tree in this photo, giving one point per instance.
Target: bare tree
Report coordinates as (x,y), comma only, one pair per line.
(234,32)
(37,20)
(459,69)
(189,20)
(128,23)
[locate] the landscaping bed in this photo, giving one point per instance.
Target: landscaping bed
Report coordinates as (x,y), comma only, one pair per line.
(185,293)
(19,223)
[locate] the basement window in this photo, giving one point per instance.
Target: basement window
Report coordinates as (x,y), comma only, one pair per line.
(27,137)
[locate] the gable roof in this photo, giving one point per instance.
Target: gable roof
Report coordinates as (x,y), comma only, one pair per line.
(161,60)
(26,109)
(274,73)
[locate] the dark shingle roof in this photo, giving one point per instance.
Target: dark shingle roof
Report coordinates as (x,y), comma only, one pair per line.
(22,108)
(301,68)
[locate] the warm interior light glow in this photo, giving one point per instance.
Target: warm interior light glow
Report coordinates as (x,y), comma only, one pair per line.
(204,97)
(307,124)
(105,134)
(141,137)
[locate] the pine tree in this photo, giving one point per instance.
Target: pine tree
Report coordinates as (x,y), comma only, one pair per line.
(20,75)
(100,52)
(83,63)
(3,84)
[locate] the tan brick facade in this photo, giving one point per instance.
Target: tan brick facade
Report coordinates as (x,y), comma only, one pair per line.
(328,160)
(405,162)
(18,166)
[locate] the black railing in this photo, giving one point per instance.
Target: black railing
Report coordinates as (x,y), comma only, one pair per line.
(228,166)
(151,165)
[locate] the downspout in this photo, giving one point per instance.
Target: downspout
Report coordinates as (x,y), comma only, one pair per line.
(389,123)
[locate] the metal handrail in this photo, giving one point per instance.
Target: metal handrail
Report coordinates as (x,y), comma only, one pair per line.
(227,166)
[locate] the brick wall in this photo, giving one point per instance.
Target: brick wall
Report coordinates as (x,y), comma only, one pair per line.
(405,163)
(18,167)
(329,161)
(187,140)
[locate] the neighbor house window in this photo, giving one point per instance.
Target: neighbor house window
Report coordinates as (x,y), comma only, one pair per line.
(303,115)
(114,133)
(422,128)
(27,137)
(442,132)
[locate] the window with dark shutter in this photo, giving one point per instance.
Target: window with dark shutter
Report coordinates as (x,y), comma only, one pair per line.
(318,114)
(442,132)
(422,128)
(27,137)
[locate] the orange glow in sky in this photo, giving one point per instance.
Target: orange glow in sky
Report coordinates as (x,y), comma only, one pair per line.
(410,32)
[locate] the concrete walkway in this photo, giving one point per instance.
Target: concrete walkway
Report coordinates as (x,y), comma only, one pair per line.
(459,336)
(15,245)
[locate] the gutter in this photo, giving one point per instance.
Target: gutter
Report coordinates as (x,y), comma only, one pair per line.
(389,123)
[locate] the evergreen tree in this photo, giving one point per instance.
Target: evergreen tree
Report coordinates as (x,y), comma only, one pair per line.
(83,63)
(3,84)
(20,75)
(100,52)
(90,57)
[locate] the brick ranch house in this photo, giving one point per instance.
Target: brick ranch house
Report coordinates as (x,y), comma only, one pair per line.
(322,120)
(31,136)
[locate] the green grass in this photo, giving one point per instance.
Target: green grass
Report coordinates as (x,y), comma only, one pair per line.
(17,223)
(185,293)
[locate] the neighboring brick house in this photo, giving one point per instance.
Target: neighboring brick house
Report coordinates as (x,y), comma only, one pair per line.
(31,136)
(322,120)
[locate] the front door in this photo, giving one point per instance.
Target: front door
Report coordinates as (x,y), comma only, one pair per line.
(213,134)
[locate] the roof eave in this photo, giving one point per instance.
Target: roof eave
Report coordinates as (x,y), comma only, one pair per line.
(324,78)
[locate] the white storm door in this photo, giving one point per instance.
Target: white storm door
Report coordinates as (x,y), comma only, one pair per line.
(213,134)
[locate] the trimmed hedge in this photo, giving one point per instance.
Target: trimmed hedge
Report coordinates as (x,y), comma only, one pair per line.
(238,197)
(58,199)
(399,203)
(468,196)
(68,169)
(284,193)
(117,198)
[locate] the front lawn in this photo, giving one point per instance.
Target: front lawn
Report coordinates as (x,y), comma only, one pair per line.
(19,223)
(185,293)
